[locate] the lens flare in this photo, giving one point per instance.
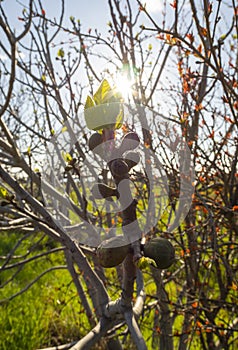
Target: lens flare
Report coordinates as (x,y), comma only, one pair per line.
(124,86)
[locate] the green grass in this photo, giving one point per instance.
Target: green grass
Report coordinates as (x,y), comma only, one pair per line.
(48,313)
(23,323)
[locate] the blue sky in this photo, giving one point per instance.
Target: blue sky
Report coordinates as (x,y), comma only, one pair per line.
(92,13)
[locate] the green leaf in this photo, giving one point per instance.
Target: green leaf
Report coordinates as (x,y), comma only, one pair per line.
(60,53)
(104,110)
(145,262)
(89,102)
(104,116)
(3,193)
(64,129)
(103,93)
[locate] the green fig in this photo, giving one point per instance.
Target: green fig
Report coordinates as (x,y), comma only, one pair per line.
(119,168)
(132,159)
(100,190)
(112,251)
(129,142)
(161,251)
(95,140)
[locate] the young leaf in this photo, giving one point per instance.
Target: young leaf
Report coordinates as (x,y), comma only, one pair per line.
(3,193)
(89,103)
(145,262)
(103,93)
(104,116)
(104,110)
(60,53)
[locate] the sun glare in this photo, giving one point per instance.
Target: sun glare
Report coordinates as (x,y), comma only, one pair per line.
(124,86)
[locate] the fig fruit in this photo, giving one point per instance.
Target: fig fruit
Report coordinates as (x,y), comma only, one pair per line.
(161,251)
(132,159)
(129,142)
(112,251)
(100,190)
(119,167)
(95,140)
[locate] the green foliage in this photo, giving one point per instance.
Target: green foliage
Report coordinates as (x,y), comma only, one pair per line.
(104,94)
(60,53)
(3,193)
(23,324)
(144,262)
(48,313)
(104,109)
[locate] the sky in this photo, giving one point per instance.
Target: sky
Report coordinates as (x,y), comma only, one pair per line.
(93,13)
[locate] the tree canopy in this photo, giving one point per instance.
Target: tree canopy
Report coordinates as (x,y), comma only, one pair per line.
(118,149)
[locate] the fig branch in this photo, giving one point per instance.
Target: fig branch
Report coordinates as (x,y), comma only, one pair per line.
(104,115)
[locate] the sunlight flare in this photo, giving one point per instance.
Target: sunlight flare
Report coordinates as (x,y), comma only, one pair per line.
(124,86)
